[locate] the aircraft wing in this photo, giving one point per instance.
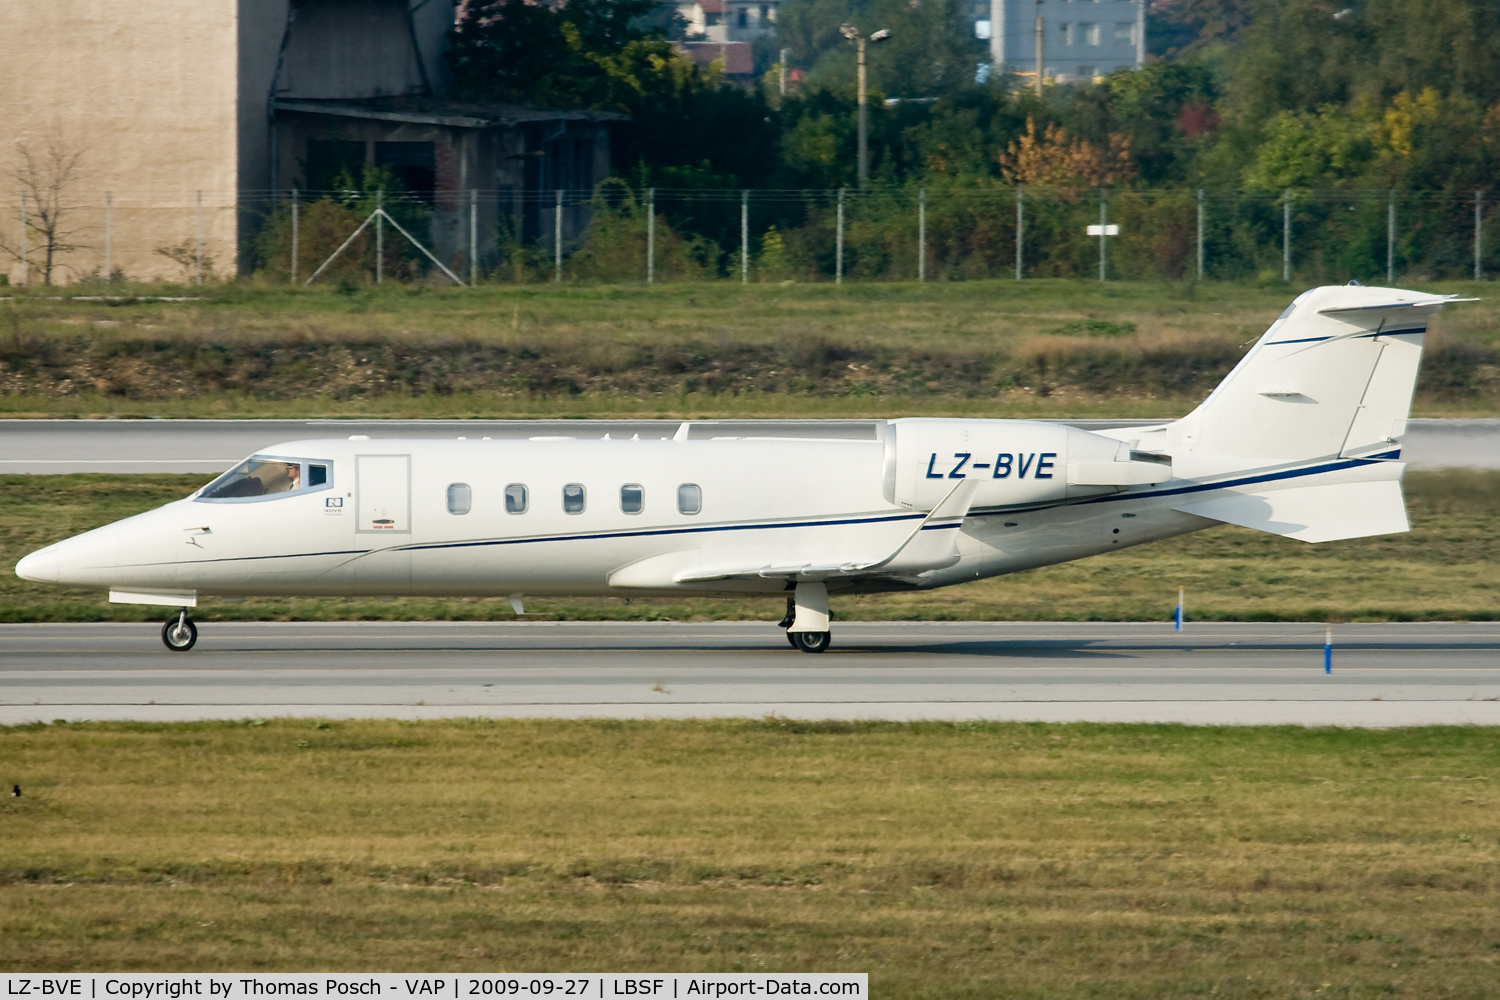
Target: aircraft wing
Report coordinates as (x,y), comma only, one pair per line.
(933,544)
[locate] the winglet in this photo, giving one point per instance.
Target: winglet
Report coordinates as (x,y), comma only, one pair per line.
(682,432)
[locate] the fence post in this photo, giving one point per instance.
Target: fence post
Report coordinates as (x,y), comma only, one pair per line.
(25,244)
(473,237)
(838,257)
(1200,234)
(1103,222)
(922,234)
(109,234)
(557,237)
(296,234)
(380,236)
(1390,236)
(744,237)
(1020,224)
(1286,235)
(1478,215)
(198,256)
(651,236)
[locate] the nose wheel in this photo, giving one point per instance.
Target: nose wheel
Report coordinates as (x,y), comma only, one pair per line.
(179,634)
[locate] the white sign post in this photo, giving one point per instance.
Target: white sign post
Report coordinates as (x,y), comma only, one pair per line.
(1102,230)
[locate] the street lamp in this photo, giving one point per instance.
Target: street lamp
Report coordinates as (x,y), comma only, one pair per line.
(850,32)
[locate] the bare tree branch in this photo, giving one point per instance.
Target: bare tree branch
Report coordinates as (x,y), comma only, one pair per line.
(43,176)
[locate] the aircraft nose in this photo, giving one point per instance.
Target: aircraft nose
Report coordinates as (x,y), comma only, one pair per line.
(39,567)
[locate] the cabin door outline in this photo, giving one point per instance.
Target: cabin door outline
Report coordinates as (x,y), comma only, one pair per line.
(382,494)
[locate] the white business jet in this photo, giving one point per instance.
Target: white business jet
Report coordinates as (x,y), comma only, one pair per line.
(1301,439)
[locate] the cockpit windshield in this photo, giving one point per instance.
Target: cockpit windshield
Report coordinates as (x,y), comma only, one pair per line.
(262,477)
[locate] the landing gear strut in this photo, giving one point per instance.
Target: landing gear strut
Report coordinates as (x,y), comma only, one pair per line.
(179,634)
(807,618)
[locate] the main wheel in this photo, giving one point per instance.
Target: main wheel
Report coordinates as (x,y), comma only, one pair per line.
(809,642)
(179,634)
(791,637)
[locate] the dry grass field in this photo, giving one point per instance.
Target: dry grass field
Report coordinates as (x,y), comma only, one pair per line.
(1447,567)
(947,860)
(717,349)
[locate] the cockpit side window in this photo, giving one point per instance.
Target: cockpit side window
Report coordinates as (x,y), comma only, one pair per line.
(267,477)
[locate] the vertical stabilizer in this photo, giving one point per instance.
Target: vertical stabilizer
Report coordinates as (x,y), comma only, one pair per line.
(1334,375)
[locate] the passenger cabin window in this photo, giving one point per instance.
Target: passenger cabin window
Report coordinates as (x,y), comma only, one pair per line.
(689,498)
(632,498)
(515,499)
(573,497)
(262,477)
(460,497)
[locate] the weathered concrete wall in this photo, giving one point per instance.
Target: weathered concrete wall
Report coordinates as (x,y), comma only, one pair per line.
(149,94)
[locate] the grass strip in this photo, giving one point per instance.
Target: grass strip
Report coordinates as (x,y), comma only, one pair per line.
(947,860)
(987,348)
(1446,568)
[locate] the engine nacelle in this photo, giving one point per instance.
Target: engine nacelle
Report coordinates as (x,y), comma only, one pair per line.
(1017,462)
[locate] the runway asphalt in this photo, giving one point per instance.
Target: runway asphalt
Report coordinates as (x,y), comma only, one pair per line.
(211,446)
(1222,673)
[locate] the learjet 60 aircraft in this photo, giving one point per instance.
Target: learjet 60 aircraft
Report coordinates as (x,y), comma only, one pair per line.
(1301,439)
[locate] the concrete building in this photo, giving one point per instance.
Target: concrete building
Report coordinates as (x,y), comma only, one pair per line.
(727,20)
(1082,39)
(192,114)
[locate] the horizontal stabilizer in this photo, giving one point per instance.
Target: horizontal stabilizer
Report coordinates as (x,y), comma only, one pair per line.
(1313,513)
(1431,302)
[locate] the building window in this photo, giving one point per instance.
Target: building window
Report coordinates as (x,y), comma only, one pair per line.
(1085,73)
(1088,33)
(333,163)
(515,499)
(1067,34)
(1125,32)
(460,498)
(765,13)
(689,498)
(573,498)
(632,498)
(744,17)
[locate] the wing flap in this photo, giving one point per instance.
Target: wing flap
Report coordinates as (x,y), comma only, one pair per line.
(932,545)
(1312,513)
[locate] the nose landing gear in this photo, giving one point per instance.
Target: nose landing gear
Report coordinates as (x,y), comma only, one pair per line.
(179,634)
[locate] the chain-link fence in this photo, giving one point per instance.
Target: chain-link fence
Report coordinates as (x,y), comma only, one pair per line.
(616,233)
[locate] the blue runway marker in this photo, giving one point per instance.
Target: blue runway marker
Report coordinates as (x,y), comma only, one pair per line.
(1328,651)
(1177,617)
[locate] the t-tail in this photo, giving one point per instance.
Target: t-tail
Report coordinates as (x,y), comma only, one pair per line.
(1305,432)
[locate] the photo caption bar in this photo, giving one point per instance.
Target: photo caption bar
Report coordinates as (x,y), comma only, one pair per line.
(397,986)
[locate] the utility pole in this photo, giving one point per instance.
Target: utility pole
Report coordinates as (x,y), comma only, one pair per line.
(782,65)
(1286,235)
(1040,41)
(850,32)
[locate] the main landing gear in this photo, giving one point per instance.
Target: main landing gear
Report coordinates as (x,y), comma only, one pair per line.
(179,633)
(806,618)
